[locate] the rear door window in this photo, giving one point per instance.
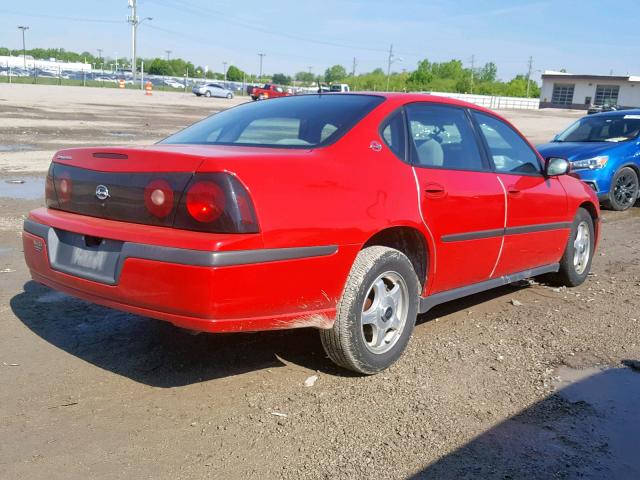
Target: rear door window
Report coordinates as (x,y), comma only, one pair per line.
(442,137)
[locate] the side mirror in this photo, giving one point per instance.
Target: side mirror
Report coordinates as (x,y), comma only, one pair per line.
(557,166)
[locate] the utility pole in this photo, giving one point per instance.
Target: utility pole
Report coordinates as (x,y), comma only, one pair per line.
(168,52)
(261,55)
(224,70)
(390,60)
(473,66)
(24,48)
(529,74)
(135,22)
(353,69)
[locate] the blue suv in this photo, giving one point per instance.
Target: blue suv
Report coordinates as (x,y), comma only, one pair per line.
(604,151)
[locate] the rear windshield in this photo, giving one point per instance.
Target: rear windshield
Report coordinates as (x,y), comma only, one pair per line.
(292,122)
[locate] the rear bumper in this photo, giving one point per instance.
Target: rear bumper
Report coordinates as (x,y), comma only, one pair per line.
(214,291)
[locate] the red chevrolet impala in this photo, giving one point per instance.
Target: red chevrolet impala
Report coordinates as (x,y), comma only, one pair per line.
(345,212)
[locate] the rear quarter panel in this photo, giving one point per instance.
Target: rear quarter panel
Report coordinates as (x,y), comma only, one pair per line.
(340,195)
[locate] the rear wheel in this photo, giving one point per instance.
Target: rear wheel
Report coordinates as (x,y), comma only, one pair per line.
(229,96)
(578,254)
(207,93)
(624,189)
(376,313)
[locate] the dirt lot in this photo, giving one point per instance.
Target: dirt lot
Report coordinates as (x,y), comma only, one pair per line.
(487,388)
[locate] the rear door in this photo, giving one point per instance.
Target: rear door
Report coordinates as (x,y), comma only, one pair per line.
(462,201)
(537,228)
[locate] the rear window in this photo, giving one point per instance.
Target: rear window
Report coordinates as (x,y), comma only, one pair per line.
(292,122)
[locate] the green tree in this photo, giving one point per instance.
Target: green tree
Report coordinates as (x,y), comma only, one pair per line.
(335,73)
(159,66)
(234,74)
(306,77)
(488,73)
(281,79)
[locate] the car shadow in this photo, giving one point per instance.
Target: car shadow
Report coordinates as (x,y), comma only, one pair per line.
(588,429)
(466,303)
(158,354)
(154,352)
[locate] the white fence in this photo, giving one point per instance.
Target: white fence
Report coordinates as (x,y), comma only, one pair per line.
(492,102)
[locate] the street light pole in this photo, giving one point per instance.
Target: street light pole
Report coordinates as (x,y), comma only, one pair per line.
(135,22)
(224,70)
(261,55)
(24,48)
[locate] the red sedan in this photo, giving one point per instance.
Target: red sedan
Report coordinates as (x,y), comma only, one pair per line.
(348,213)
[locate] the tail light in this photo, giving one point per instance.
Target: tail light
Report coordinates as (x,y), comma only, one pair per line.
(205,201)
(216,202)
(50,197)
(158,198)
(64,186)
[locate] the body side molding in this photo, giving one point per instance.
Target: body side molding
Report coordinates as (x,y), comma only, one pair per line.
(427,303)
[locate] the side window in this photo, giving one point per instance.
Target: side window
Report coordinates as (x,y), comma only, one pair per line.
(510,153)
(441,137)
(393,134)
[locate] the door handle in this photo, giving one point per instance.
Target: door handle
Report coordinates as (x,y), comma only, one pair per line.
(513,190)
(434,190)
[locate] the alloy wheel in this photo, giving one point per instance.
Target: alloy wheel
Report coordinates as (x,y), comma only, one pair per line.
(384,312)
(625,191)
(581,248)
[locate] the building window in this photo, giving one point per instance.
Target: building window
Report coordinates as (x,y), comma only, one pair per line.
(607,94)
(562,94)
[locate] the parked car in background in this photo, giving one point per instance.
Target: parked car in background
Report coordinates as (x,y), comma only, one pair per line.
(603,108)
(173,83)
(333,88)
(604,151)
(269,90)
(339,88)
(343,212)
(212,90)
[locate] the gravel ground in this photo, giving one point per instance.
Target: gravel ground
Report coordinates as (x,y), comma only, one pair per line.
(487,389)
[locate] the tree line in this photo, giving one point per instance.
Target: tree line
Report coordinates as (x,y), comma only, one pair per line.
(451,76)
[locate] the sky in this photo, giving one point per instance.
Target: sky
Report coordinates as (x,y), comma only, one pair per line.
(585,36)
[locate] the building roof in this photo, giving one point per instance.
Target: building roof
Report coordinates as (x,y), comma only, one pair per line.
(552,75)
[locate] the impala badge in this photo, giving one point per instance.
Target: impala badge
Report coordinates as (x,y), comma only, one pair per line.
(102,192)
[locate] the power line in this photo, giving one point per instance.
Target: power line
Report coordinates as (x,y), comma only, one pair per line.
(185,7)
(59,17)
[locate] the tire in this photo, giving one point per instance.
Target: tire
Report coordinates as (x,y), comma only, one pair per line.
(207,94)
(576,262)
(229,96)
(373,325)
(261,97)
(624,189)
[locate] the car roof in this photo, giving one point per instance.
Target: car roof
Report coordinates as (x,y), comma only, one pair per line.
(399,98)
(617,113)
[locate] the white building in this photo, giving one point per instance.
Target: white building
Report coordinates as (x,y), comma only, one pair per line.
(565,90)
(48,65)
